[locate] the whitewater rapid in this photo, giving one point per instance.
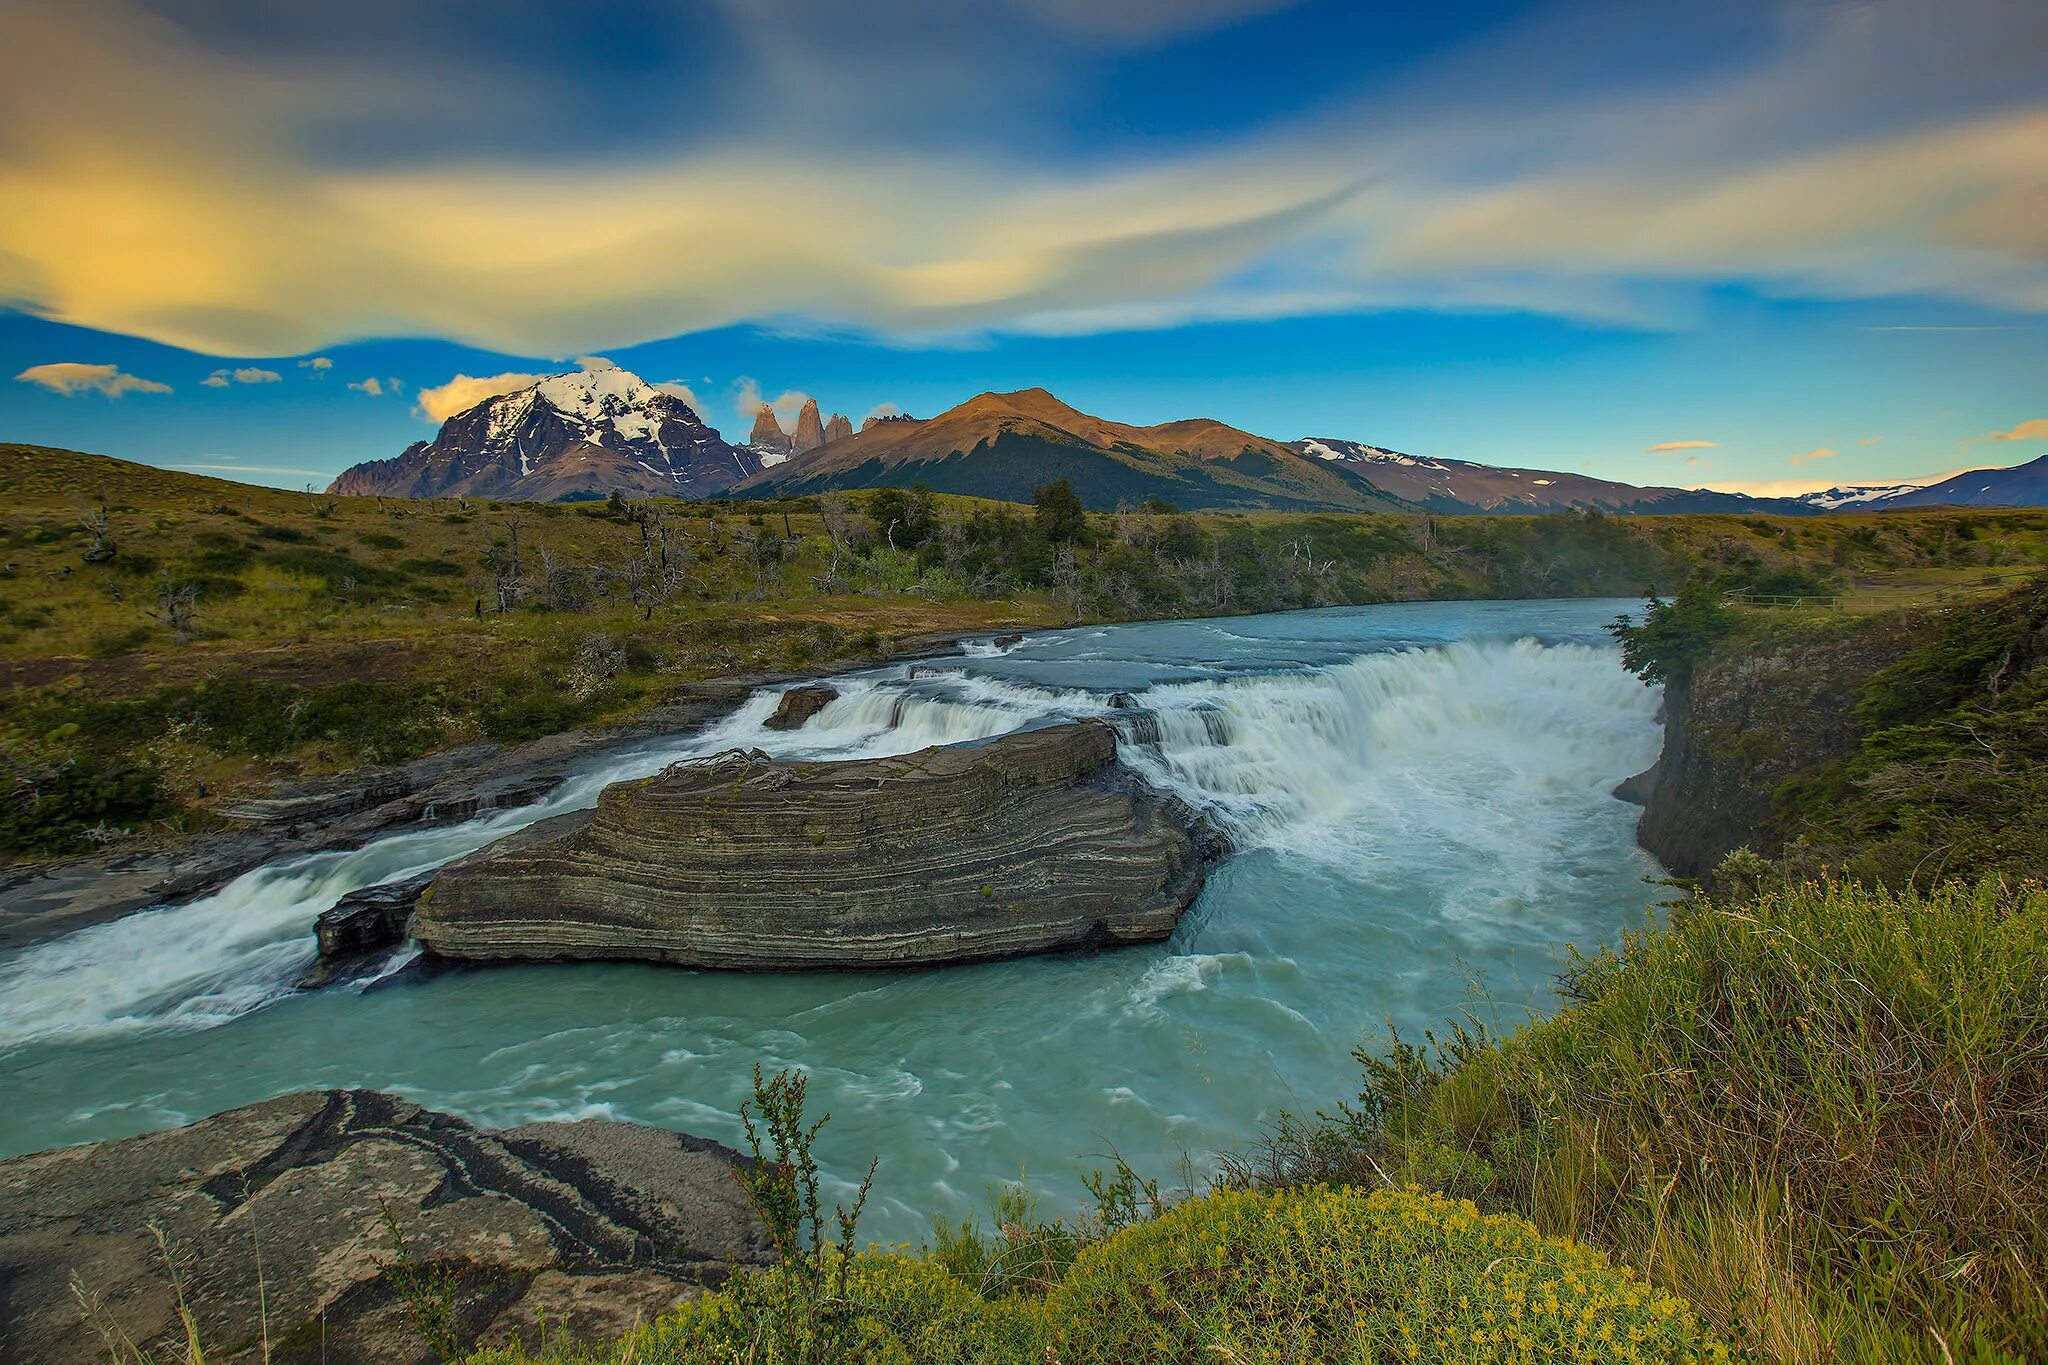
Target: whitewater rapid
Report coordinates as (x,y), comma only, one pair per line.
(1419,800)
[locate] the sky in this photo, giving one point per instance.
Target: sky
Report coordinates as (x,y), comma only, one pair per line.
(1767,246)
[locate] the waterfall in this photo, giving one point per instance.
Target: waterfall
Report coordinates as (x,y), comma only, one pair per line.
(1401,753)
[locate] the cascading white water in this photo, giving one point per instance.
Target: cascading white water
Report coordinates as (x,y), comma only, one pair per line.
(1416,796)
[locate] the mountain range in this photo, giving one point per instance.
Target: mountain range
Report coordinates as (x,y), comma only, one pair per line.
(1003,445)
(587,432)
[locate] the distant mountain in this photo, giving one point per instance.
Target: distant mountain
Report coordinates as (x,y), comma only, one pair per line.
(1003,445)
(1456,487)
(2024,485)
(582,433)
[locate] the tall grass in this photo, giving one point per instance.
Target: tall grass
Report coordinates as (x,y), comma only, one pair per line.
(1820,1115)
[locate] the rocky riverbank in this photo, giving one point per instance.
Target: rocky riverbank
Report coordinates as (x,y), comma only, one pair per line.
(46,900)
(1032,842)
(304,1200)
(1768,704)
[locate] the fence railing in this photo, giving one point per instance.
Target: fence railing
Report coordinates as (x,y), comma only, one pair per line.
(1771,599)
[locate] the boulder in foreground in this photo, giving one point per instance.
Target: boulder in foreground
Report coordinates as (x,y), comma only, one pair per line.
(592,1224)
(1033,842)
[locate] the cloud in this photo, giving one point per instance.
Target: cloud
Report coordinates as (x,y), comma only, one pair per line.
(883,410)
(1664,447)
(318,364)
(464,392)
(70,377)
(247,374)
(1144,21)
(676,388)
(236,468)
(1694,460)
(1818,453)
(1868,440)
(747,399)
(221,196)
(1770,488)
(372,386)
(594,362)
(2033,429)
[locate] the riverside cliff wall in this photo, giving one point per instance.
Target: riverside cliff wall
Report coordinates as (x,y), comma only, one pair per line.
(1769,703)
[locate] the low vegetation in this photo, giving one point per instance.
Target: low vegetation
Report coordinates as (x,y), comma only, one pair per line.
(167,639)
(1312,1274)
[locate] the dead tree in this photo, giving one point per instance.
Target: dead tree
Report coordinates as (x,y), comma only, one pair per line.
(177,607)
(95,520)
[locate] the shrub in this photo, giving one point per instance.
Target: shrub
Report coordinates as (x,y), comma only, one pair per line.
(54,812)
(1330,1274)
(1820,1115)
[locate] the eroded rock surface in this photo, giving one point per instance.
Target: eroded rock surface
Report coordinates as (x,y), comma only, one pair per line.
(590,1223)
(1031,842)
(799,704)
(360,930)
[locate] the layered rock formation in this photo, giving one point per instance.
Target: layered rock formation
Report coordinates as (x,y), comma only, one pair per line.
(1032,842)
(838,425)
(359,931)
(593,1224)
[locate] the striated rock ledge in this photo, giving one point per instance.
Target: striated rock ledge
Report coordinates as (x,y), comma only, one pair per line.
(1032,842)
(593,1224)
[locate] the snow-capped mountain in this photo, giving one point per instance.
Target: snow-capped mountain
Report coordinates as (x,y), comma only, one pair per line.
(2023,485)
(1456,487)
(585,432)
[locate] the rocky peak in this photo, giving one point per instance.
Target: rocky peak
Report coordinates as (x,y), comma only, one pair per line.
(838,426)
(768,433)
(810,428)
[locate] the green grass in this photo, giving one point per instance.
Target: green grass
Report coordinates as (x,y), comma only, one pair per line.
(1820,1115)
(1346,1276)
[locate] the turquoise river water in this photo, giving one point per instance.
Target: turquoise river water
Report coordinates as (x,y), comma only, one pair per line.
(1419,796)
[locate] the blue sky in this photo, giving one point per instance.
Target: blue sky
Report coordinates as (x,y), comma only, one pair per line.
(1544,234)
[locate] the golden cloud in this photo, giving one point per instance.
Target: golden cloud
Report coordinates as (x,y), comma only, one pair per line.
(464,392)
(1663,447)
(70,378)
(1819,453)
(2033,429)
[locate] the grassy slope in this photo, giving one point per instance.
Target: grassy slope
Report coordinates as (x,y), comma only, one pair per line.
(359,617)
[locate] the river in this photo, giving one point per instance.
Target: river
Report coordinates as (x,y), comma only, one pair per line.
(1419,798)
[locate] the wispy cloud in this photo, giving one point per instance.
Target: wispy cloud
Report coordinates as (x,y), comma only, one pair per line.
(2033,429)
(747,399)
(1817,453)
(319,364)
(70,378)
(239,468)
(1666,447)
(676,388)
(377,388)
(169,187)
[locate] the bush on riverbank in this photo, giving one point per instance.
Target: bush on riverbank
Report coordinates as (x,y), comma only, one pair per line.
(1820,1115)
(1309,1275)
